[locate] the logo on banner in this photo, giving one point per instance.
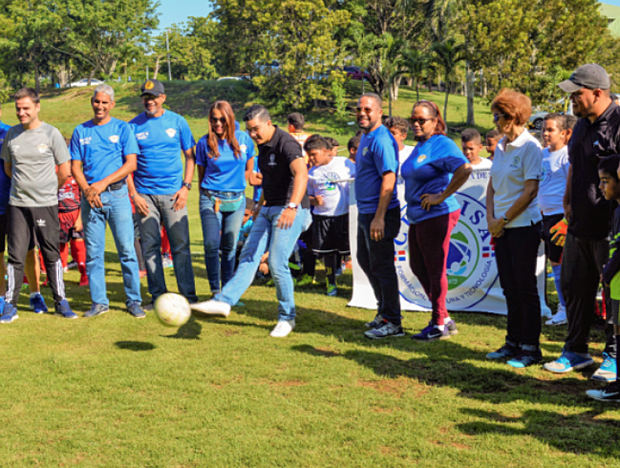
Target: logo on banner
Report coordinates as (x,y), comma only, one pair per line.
(470,262)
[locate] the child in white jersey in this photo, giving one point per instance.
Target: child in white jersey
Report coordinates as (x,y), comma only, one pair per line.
(328,190)
(556,133)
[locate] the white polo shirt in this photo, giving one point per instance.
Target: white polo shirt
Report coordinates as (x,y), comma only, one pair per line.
(513,164)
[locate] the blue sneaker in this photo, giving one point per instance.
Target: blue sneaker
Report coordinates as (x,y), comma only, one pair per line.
(375,323)
(37,304)
(9,313)
(609,393)
(96,309)
(1,304)
(607,371)
(431,333)
(135,309)
(63,308)
(525,359)
(567,362)
(506,351)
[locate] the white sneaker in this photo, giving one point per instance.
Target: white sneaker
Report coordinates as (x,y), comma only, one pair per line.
(212,307)
(282,328)
(559,318)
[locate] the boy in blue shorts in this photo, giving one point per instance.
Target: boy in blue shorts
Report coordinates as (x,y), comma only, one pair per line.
(610,188)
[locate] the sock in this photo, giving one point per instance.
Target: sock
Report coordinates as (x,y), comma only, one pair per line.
(34,294)
(441,327)
(556,269)
(330,268)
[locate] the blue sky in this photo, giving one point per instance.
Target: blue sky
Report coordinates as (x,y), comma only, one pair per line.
(176,11)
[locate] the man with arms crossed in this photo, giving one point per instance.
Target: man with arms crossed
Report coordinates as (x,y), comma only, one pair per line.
(159,189)
(103,153)
(36,158)
(284,215)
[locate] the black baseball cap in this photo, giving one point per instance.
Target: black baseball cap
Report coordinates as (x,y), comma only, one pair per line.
(591,76)
(152,87)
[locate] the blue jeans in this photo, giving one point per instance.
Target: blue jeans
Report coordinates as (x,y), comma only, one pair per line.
(265,235)
(116,212)
(161,211)
(220,230)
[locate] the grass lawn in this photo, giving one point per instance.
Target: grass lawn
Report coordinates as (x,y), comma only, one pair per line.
(116,391)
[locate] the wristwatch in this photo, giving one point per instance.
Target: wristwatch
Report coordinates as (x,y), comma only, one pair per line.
(292,206)
(186,185)
(506,220)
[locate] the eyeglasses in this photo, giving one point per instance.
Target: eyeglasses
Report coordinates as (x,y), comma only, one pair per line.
(420,122)
(496,117)
(218,119)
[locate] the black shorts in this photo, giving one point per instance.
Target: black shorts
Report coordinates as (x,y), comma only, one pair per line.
(552,251)
(615,305)
(330,234)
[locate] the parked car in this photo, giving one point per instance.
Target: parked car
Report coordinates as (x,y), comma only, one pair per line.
(536,120)
(84,82)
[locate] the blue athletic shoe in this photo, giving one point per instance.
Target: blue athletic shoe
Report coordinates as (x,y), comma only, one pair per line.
(37,304)
(1,305)
(135,310)
(431,333)
(525,359)
(64,309)
(9,313)
(96,309)
(607,371)
(506,351)
(567,362)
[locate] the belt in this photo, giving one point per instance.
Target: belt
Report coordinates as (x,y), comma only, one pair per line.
(115,186)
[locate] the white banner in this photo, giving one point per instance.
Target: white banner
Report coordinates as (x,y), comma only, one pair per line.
(473,282)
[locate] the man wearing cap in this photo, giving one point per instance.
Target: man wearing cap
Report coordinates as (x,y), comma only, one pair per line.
(596,135)
(103,152)
(160,187)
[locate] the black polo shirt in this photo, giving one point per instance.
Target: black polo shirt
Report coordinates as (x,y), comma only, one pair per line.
(274,159)
(591,213)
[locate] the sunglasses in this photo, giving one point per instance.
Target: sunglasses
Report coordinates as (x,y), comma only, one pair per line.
(496,117)
(420,122)
(218,119)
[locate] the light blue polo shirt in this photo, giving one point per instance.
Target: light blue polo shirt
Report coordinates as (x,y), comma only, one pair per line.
(225,173)
(102,148)
(376,155)
(161,139)
(429,169)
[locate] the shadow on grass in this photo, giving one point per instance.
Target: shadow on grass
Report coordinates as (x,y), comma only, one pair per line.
(188,331)
(135,345)
(575,433)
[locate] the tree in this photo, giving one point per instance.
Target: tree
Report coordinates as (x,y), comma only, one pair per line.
(448,54)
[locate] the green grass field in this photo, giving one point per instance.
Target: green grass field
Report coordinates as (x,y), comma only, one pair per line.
(116,391)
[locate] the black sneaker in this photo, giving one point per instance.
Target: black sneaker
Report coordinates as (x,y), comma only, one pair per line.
(609,393)
(506,351)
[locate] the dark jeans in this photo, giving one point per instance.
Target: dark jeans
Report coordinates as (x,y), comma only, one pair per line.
(516,252)
(582,263)
(376,258)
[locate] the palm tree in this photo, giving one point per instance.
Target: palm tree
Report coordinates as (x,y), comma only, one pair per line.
(448,54)
(417,63)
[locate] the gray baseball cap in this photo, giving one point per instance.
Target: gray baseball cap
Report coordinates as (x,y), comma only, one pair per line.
(591,76)
(152,87)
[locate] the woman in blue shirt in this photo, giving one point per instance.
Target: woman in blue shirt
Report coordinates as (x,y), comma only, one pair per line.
(225,159)
(433,172)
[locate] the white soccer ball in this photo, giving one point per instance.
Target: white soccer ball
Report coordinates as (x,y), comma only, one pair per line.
(172,309)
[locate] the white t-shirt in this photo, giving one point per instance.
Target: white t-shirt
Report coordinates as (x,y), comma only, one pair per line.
(553,183)
(331,182)
(403,155)
(485,163)
(513,164)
